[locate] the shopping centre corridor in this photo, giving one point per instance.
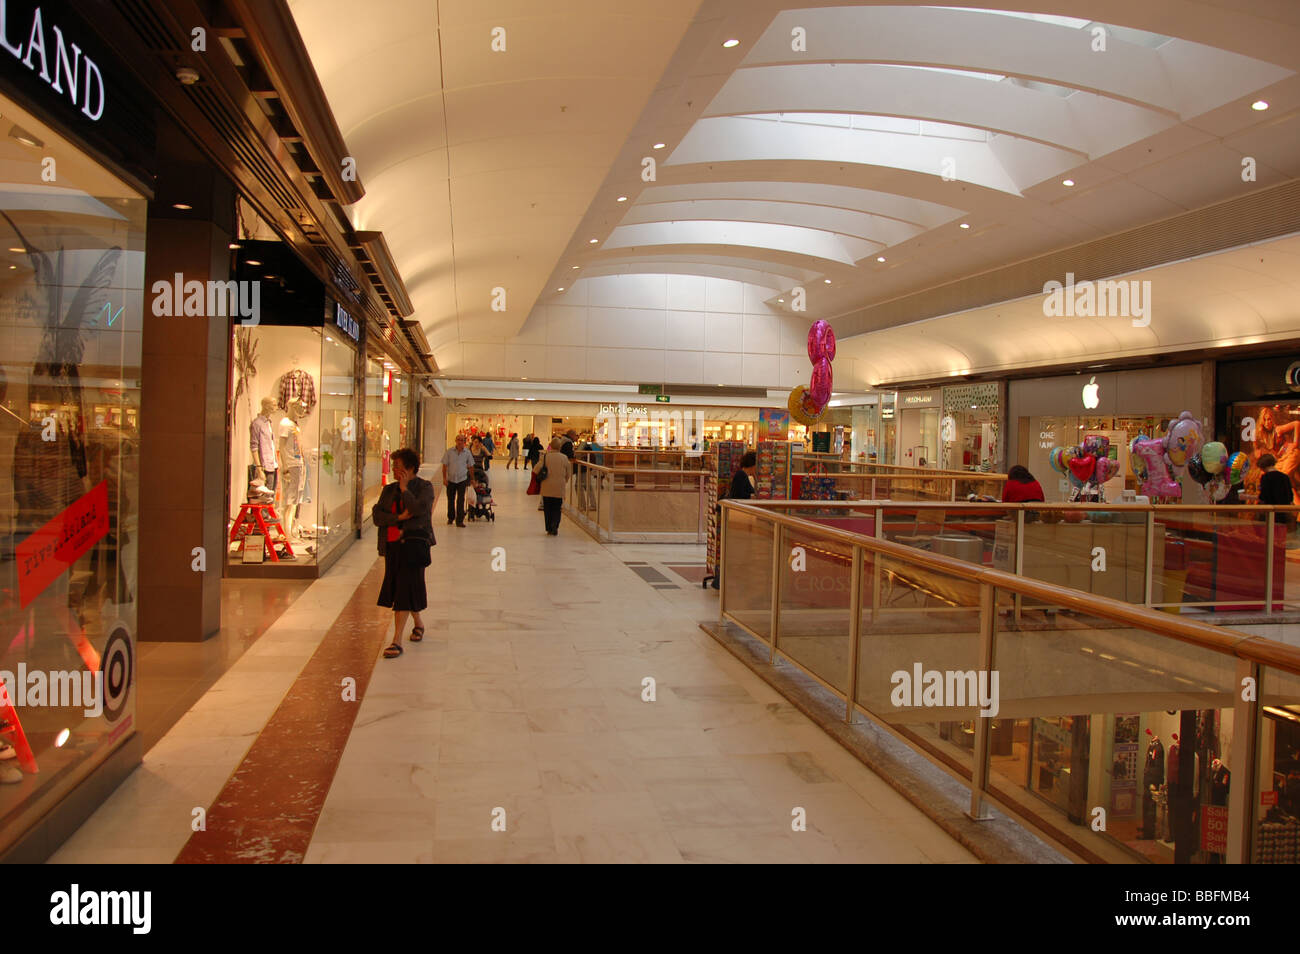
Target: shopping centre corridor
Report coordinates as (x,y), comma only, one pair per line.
(523,704)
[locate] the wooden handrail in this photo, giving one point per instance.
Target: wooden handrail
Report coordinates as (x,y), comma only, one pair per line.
(1256,649)
(886,504)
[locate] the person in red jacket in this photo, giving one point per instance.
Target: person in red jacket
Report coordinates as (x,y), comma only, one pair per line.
(1021,487)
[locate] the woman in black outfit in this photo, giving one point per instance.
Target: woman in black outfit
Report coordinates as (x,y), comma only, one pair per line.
(533,448)
(403,512)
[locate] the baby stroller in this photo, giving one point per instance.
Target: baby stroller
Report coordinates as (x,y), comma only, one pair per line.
(482,505)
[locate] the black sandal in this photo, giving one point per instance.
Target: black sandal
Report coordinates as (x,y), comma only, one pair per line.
(417,634)
(389,654)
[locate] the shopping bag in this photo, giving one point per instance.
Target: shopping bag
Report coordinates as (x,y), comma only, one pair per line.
(534,486)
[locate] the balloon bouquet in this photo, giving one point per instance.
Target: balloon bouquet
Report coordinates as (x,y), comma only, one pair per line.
(1087,465)
(1158,462)
(808,405)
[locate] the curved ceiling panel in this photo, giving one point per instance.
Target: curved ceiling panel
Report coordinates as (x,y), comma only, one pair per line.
(871,228)
(782,238)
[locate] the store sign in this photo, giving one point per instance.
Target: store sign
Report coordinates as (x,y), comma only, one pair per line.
(1214,829)
(625,409)
(49,552)
(919,399)
(1092,394)
(346,323)
(59,62)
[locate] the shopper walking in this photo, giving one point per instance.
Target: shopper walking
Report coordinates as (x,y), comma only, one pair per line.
(478,450)
(403,517)
(491,447)
(513,449)
(558,470)
(457,463)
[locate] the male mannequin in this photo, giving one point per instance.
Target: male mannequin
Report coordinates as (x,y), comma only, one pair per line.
(262,442)
(291,455)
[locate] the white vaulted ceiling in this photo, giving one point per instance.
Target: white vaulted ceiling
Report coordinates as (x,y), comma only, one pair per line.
(478,164)
(847,167)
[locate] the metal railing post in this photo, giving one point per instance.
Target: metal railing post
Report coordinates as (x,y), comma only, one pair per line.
(775,619)
(980,771)
(855,633)
(1243,762)
(875,566)
(717,568)
(1268,561)
(1149,571)
(1020,558)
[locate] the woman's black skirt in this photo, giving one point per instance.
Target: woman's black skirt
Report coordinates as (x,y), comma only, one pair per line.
(403,590)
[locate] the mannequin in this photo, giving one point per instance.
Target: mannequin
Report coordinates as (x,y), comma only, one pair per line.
(291,454)
(262,443)
(1153,775)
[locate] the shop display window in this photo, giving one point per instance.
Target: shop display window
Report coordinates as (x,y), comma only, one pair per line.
(1039,434)
(293,445)
(383,429)
(71,313)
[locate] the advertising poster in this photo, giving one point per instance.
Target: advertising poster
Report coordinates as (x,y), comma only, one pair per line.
(1268,429)
(773,424)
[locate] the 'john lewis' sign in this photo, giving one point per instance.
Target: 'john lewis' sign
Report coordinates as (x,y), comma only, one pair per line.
(58,61)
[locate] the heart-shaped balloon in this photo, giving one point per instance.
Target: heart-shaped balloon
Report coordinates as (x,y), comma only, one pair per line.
(1106,469)
(1083,467)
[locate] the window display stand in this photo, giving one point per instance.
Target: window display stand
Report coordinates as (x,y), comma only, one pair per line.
(253,519)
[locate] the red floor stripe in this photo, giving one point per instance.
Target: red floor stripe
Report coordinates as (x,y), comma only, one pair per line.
(267,811)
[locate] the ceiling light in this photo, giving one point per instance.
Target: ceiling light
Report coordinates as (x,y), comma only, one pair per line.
(559,289)
(575,267)
(530,399)
(659,145)
(328,338)
(622,198)
(826,280)
(252,262)
(728,44)
(21,135)
(592,241)
(781,300)
(1067,182)
(880,258)
(61,739)
(182,206)
(973,406)
(233,245)
(12,267)
(18,250)
(518,399)
(187,75)
(964,225)
(1258,105)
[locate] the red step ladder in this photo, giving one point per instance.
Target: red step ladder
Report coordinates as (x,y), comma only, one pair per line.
(260,518)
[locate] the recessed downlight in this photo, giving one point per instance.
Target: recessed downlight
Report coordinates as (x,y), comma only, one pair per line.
(659,145)
(621,198)
(1067,182)
(592,241)
(252,262)
(559,289)
(826,280)
(880,258)
(728,44)
(233,245)
(182,206)
(964,225)
(18,250)
(1258,105)
(575,267)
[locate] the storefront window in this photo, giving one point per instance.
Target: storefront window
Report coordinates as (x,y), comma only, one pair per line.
(383,428)
(1039,434)
(71,307)
(290,455)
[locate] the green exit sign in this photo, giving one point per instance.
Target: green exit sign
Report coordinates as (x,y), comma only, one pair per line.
(649,389)
(662,398)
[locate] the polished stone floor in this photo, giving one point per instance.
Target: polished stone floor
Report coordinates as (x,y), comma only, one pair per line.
(520,729)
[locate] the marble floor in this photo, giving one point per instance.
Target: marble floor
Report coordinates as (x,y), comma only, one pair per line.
(522,727)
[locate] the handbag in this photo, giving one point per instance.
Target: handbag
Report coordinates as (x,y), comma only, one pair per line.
(534,486)
(416,551)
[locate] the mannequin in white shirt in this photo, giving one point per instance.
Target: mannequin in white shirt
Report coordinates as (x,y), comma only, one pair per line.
(292,457)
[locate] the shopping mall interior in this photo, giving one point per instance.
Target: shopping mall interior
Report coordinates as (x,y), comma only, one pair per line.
(874,428)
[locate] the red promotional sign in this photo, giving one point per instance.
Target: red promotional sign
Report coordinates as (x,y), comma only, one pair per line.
(46,555)
(1268,798)
(1214,828)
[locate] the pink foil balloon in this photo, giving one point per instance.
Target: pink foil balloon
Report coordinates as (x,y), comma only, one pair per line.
(821,350)
(1157,482)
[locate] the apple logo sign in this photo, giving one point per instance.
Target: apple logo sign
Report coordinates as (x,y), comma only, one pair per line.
(1090,397)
